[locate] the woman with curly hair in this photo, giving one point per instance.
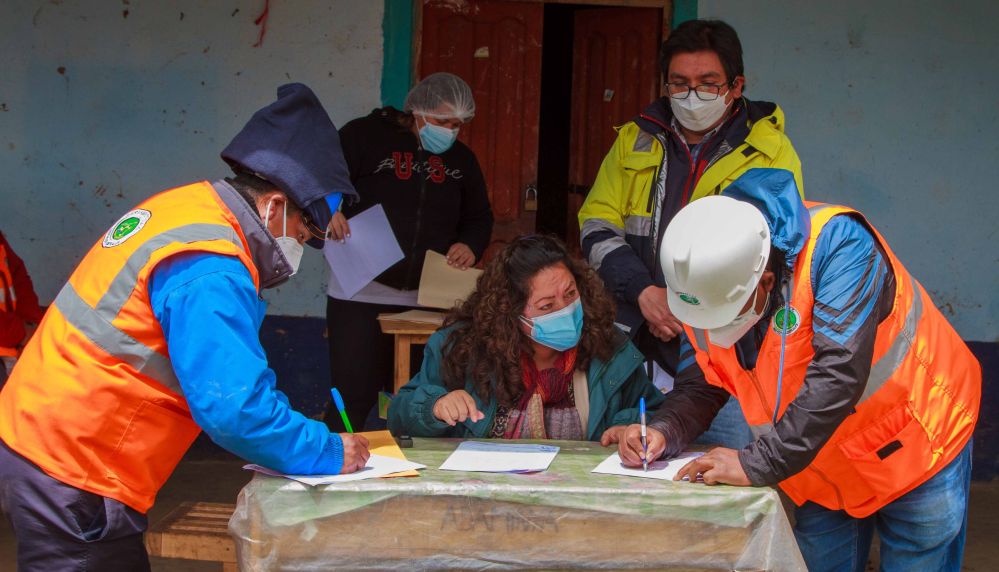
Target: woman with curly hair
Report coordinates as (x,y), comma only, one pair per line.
(533,353)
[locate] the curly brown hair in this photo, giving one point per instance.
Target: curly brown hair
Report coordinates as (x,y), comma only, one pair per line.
(487,342)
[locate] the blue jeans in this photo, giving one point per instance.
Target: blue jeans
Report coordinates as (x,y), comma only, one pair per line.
(729,429)
(924,529)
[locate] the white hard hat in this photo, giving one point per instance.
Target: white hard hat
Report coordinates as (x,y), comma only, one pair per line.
(714,252)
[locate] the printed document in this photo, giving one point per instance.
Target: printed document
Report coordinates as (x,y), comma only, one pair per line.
(377,466)
(371,249)
(662,469)
(500,457)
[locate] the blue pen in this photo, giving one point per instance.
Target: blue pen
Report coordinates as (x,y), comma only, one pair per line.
(645,442)
(338,401)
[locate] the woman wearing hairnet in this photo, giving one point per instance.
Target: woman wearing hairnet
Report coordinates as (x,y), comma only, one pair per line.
(434,196)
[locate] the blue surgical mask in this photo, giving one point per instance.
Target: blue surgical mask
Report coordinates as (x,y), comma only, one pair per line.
(559,330)
(435,138)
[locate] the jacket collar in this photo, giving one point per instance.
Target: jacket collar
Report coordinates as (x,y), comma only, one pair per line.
(273,267)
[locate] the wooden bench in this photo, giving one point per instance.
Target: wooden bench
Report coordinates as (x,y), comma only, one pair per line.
(195,531)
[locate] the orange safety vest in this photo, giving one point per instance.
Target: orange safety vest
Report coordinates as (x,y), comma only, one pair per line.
(94,401)
(917,411)
(8,298)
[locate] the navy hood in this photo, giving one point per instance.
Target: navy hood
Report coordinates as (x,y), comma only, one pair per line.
(775,194)
(293,144)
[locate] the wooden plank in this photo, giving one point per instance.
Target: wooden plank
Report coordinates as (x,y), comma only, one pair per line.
(194,531)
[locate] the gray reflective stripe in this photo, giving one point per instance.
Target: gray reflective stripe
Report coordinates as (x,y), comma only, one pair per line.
(643,143)
(601,249)
(606,246)
(638,225)
(900,347)
(115,342)
(702,341)
(123,284)
(812,211)
(763,429)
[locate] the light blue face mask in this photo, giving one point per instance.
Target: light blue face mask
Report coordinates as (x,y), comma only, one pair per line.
(559,330)
(435,138)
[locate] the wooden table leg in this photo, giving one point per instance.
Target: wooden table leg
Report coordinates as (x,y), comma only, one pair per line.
(402,345)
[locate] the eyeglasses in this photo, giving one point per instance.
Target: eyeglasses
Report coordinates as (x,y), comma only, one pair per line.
(705,91)
(313,228)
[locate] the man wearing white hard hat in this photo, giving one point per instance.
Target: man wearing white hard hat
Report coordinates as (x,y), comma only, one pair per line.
(861,397)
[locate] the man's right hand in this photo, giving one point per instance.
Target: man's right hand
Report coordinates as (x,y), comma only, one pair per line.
(456,407)
(655,310)
(630,446)
(355,452)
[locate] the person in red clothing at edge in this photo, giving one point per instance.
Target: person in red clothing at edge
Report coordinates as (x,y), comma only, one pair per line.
(861,397)
(19,309)
(155,337)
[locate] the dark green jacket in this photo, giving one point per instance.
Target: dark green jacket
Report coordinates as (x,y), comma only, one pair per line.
(615,388)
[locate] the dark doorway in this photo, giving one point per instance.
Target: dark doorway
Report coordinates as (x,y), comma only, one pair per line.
(599,68)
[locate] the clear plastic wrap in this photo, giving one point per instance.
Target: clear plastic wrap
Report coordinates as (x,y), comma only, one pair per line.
(563,518)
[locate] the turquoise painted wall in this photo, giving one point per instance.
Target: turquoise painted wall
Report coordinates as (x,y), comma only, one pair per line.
(103,104)
(893,107)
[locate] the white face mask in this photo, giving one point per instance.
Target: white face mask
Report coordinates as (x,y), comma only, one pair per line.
(698,115)
(726,336)
(290,248)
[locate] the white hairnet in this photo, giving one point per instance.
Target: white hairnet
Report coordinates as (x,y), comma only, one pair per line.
(441,95)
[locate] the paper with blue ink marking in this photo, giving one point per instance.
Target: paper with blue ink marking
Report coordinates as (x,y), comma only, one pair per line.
(485,457)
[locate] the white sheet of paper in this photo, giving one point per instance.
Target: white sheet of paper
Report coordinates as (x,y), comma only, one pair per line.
(371,249)
(500,457)
(377,466)
(443,285)
(662,470)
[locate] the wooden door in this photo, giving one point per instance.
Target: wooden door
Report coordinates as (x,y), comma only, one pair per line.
(495,47)
(615,75)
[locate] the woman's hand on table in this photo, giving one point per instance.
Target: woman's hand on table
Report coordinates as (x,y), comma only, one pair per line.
(355,452)
(612,435)
(456,407)
(630,450)
(717,466)
(460,256)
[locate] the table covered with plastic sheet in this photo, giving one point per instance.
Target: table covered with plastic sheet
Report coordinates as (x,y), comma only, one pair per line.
(563,518)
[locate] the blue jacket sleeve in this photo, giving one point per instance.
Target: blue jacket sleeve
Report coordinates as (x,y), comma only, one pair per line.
(210,313)
(412,409)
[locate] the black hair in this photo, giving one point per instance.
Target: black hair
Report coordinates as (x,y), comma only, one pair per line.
(705,35)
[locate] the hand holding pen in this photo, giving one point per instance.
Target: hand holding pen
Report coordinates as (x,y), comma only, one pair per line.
(645,442)
(633,452)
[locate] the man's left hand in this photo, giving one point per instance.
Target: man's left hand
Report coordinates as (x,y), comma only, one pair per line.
(717,466)
(460,256)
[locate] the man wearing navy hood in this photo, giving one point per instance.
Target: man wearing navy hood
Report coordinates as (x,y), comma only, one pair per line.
(154,338)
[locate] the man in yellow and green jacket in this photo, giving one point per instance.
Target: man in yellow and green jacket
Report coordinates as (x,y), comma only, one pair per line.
(690,144)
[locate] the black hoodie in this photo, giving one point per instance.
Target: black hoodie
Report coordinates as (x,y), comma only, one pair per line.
(431,200)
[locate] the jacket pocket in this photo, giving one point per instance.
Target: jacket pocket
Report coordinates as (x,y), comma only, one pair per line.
(153,443)
(891,453)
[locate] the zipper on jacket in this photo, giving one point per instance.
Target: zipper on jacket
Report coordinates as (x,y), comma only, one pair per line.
(760,392)
(419,223)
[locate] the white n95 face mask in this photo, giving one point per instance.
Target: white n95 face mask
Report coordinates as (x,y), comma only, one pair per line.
(698,115)
(290,248)
(727,335)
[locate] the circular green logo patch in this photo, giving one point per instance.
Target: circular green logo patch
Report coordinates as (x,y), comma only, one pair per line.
(126,227)
(692,300)
(786,322)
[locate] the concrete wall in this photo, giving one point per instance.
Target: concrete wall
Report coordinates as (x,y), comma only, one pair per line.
(893,108)
(104,103)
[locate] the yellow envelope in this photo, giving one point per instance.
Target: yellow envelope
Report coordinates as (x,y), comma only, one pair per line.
(382,443)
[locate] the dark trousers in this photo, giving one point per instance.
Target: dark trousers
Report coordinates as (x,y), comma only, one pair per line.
(62,528)
(362,358)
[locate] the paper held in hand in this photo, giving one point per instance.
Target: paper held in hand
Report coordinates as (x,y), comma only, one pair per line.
(662,469)
(370,250)
(444,286)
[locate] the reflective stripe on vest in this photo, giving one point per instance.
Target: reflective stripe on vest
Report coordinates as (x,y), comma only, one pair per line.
(884,368)
(97,323)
